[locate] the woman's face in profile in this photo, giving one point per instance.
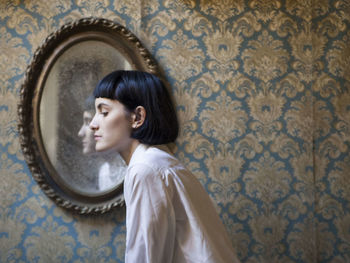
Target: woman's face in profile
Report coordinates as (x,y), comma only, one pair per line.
(111,125)
(86,134)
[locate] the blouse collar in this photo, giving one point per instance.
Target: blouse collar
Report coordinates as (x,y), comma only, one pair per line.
(142,148)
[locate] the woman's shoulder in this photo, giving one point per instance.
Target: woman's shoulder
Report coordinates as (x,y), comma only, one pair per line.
(156,157)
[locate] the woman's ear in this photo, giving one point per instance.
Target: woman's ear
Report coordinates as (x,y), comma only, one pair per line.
(138,117)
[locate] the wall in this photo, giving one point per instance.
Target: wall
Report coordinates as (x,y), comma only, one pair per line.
(262,94)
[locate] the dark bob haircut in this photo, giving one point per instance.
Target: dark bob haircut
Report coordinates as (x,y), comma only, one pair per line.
(136,88)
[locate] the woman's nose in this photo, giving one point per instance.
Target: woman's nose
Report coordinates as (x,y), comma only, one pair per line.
(93,124)
(81,132)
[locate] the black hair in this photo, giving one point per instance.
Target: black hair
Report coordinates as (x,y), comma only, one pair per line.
(135,88)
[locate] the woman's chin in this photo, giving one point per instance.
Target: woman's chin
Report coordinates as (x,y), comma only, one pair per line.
(103,148)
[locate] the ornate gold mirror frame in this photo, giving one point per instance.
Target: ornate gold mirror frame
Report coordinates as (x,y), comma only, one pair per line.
(63,72)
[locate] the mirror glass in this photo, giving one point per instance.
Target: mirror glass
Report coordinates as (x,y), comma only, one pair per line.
(66,108)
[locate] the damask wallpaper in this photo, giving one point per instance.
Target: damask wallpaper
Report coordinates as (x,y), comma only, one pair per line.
(262,93)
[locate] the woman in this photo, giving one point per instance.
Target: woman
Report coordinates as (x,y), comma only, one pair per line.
(170,217)
(109,168)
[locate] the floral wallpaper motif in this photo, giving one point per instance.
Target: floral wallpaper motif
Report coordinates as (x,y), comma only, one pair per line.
(262,93)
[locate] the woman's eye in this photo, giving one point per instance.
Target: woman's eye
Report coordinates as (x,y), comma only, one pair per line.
(104,113)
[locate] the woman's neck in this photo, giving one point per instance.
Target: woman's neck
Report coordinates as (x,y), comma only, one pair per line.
(127,153)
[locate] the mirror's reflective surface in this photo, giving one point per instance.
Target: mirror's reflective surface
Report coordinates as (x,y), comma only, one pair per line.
(66,107)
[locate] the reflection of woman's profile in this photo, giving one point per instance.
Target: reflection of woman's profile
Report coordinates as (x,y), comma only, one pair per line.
(87,135)
(170,217)
(110,168)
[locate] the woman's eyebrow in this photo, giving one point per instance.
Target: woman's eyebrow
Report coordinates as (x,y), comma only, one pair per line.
(100,105)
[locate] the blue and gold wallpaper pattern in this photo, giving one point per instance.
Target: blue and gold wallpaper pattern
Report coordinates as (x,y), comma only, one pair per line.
(262,93)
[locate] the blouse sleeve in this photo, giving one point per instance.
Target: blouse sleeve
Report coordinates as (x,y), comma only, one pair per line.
(150,219)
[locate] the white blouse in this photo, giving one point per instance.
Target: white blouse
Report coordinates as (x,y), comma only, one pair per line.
(170,217)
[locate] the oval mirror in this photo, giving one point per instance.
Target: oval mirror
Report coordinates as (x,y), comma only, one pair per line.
(56,106)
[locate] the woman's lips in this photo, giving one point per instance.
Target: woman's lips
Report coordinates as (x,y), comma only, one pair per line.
(97,137)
